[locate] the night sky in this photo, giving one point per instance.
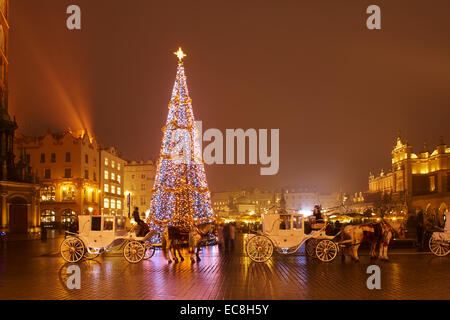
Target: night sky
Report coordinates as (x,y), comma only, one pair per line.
(338,92)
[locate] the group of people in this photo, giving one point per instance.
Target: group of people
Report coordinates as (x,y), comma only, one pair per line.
(226,234)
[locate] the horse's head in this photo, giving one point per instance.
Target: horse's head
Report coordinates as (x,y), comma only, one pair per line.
(398,228)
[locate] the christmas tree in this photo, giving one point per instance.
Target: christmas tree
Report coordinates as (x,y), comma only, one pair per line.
(180,194)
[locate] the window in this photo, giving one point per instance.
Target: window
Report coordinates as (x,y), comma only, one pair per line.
(133,187)
(113,204)
(297,223)
(106,175)
(118,166)
(106,161)
(42,157)
(86,174)
(53,157)
(95,176)
(132,176)
(142,201)
(118,178)
(48,193)
(86,158)
(67,156)
(118,191)
(119,204)
(143,176)
(113,176)
(68,193)
(106,188)
(285,222)
(106,203)
(112,164)
(48,217)
(47,174)
(113,189)
(68,173)
(108,224)
(143,186)
(96,223)
(120,223)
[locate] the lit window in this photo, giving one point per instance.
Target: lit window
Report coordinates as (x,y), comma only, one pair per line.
(113,189)
(112,163)
(118,178)
(113,204)
(119,204)
(113,176)
(48,193)
(118,190)
(118,166)
(106,203)
(68,193)
(106,175)
(106,161)
(106,188)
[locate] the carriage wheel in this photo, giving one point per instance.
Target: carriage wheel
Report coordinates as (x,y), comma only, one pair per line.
(310,247)
(149,250)
(326,250)
(439,248)
(134,251)
(72,249)
(259,248)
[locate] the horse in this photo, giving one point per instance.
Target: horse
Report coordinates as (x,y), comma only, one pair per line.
(196,235)
(172,238)
(377,234)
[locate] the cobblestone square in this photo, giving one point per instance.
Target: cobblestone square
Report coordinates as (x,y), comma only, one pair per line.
(34,270)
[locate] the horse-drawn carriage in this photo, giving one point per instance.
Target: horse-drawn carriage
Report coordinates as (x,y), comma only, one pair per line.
(440,241)
(98,234)
(285,232)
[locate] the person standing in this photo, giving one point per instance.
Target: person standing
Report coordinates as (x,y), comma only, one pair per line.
(220,235)
(232,235)
(226,235)
(420,229)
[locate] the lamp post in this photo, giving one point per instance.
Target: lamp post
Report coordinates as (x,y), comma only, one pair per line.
(128,193)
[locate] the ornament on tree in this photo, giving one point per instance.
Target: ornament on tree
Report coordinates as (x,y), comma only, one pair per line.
(180,193)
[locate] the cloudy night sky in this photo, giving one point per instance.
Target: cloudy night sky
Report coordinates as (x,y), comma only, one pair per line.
(338,92)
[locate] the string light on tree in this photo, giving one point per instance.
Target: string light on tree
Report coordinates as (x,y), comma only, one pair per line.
(180,192)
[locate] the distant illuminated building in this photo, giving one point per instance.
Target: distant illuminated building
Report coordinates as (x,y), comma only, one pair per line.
(112,168)
(139,180)
(418,180)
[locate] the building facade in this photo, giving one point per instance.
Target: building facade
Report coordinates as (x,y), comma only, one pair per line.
(416,181)
(66,164)
(139,181)
(18,189)
(112,168)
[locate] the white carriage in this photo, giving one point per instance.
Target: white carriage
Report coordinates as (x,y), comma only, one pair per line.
(440,241)
(285,232)
(98,234)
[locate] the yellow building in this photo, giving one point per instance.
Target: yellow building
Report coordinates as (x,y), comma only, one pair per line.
(67,165)
(112,168)
(417,180)
(139,181)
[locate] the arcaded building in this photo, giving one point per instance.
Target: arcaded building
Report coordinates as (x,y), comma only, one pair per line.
(417,180)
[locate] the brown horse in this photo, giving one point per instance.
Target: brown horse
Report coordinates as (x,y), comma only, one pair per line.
(376,234)
(174,236)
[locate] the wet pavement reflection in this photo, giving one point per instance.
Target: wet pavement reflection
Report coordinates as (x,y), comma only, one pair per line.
(34,270)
